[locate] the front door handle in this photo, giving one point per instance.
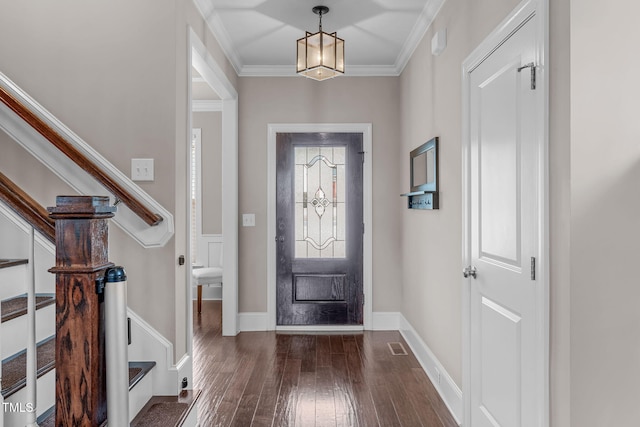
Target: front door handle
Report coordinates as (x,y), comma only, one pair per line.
(469,272)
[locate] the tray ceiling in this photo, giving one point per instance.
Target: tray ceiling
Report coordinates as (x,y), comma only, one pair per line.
(258,36)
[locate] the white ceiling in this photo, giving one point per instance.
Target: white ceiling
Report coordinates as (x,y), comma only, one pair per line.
(259,36)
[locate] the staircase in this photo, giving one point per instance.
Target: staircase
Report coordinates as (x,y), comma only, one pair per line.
(145,409)
(70,366)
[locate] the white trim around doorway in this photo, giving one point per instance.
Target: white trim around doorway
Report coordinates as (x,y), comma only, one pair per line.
(213,74)
(366,130)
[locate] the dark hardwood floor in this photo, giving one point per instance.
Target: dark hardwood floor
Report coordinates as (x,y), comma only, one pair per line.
(269,379)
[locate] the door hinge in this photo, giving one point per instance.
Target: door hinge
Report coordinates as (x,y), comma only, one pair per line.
(532,66)
(533,268)
(362,155)
(363,228)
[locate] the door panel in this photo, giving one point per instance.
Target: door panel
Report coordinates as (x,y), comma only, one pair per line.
(498,144)
(319,218)
(504,235)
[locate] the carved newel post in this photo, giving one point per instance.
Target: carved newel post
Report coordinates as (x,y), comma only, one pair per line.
(81,258)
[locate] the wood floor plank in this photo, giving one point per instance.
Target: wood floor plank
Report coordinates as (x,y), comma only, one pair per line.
(303,347)
(336,344)
(325,402)
(343,392)
(269,394)
(285,414)
(384,406)
(251,396)
(323,350)
(429,391)
(365,409)
(306,402)
(232,397)
(266,379)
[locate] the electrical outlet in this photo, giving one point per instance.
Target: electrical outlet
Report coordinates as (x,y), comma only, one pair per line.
(142,169)
(248,220)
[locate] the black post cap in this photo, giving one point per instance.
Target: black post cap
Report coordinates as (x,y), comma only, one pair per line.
(115,274)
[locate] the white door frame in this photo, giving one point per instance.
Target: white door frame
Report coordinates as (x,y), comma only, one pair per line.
(512,23)
(365,130)
(213,74)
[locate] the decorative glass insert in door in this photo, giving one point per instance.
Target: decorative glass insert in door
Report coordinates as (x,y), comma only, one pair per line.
(320,202)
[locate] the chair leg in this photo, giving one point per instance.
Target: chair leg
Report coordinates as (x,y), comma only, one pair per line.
(199,299)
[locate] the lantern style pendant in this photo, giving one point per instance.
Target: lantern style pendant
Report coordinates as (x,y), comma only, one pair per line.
(320,55)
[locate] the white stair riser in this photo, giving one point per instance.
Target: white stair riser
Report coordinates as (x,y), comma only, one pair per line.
(13,281)
(45,400)
(140,395)
(14,332)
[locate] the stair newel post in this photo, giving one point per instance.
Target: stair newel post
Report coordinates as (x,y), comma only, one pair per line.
(81,261)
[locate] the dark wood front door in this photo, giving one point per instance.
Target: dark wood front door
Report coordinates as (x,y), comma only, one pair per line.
(319,228)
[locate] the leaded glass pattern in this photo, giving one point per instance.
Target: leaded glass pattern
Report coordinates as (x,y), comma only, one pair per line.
(320,202)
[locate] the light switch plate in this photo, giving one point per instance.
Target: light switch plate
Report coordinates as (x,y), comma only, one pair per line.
(142,169)
(248,220)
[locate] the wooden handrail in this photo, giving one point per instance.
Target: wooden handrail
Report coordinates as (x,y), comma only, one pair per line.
(30,210)
(78,158)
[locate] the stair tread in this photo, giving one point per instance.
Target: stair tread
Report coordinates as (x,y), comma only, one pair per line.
(137,371)
(165,411)
(17,306)
(5,262)
(14,368)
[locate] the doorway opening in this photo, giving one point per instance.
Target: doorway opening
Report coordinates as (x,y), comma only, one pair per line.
(213,236)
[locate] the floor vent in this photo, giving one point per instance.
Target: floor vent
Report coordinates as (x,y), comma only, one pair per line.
(397,349)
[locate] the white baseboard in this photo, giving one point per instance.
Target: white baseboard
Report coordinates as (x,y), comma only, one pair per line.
(385,321)
(444,384)
(251,322)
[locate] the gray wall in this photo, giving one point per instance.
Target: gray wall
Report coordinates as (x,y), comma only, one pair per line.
(605,211)
(211,125)
(116,74)
(297,100)
(431,100)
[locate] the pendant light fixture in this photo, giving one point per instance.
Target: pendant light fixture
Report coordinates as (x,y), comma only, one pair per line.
(320,55)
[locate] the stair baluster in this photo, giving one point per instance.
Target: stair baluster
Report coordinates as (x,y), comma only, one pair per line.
(115,307)
(32,362)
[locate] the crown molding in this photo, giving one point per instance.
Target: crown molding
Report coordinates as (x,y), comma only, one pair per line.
(289,71)
(212,18)
(429,13)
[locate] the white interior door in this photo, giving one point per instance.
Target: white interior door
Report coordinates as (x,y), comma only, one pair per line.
(506,387)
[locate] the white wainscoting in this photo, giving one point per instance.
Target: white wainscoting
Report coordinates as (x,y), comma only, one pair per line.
(210,255)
